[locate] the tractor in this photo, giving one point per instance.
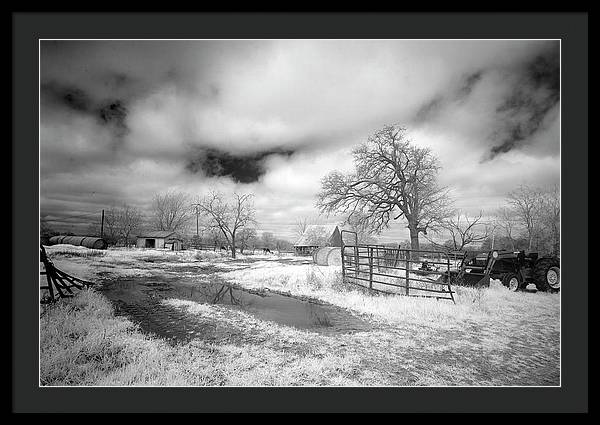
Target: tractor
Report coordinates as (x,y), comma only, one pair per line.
(515,270)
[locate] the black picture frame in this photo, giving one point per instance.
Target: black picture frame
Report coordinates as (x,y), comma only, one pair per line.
(570,28)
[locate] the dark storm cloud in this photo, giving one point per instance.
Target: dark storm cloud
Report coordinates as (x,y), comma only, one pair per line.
(459,93)
(245,168)
(109,113)
(114,114)
(533,96)
(430,109)
(468,82)
(71,97)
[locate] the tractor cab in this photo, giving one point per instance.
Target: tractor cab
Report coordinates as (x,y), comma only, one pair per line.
(474,269)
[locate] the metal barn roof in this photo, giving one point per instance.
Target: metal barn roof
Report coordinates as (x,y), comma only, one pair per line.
(160,234)
(312,229)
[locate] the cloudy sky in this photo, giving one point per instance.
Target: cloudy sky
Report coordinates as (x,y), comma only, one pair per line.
(124,120)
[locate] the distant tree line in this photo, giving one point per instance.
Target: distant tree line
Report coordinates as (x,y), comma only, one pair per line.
(530,221)
(392,179)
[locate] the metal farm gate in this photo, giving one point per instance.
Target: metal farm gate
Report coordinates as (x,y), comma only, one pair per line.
(399,271)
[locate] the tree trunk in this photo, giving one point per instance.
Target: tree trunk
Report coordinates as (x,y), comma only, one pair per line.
(232,246)
(414,237)
(530,242)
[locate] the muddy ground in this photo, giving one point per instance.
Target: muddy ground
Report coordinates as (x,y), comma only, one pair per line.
(489,338)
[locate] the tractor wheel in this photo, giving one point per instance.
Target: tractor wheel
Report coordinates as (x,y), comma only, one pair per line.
(512,281)
(546,274)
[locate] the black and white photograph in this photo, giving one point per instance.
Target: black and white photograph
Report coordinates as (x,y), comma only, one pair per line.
(300,212)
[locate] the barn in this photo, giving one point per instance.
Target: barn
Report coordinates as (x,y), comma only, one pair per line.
(317,235)
(163,239)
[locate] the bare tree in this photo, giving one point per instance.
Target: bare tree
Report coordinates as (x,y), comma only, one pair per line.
(121,223)
(214,236)
(527,203)
(283,245)
(268,240)
(129,220)
(111,225)
(505,217)
(464,231)
(317,236)
(171,211)
(301,225)
(46,229)
(392,179)
(361,225)
(551,217)
(228,217)
(247,238)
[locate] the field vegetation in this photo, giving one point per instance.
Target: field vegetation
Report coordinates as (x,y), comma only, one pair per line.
(490,337)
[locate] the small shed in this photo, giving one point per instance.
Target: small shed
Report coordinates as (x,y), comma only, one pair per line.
(162,239)
(316,236)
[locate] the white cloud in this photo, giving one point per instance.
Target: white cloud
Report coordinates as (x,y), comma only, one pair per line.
(317,98)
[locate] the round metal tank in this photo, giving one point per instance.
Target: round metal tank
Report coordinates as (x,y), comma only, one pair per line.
(328,256)
(86,241)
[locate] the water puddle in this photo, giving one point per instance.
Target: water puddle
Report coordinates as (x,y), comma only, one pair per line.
(140,299)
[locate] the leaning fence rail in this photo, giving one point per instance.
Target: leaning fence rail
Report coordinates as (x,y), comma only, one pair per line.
(59,284)
(388,269)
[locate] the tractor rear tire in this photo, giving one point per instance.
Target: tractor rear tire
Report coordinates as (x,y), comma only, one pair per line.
(512,281)
(546,274)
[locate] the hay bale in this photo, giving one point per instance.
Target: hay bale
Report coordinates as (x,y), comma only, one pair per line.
(328,256)
(334,258)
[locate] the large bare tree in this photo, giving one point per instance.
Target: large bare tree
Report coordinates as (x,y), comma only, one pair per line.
(392,179)
(229,217)
(171,211)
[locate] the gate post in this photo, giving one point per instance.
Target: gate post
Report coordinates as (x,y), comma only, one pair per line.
(343,262)
(407,262)
(356,261)
(449,279)
(370,251)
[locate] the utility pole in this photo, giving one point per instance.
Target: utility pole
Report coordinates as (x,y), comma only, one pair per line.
(197,210)
(102,225)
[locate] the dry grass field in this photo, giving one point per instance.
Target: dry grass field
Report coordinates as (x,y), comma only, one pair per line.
(490,337)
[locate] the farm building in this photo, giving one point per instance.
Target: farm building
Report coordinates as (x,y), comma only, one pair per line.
(318,235)
(163,239)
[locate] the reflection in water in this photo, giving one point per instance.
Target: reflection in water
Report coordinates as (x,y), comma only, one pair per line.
(140,298)
(318,316)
